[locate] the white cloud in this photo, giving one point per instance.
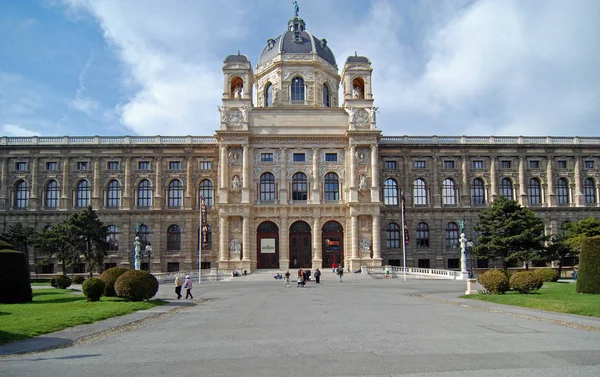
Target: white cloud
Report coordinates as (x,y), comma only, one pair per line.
(14,130)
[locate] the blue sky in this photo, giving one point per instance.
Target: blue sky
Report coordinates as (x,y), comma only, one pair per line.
(150,67)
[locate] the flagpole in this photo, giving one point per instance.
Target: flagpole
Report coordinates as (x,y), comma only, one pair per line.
(200,241)
(403,238)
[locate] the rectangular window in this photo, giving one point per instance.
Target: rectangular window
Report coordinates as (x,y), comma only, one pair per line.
(144,165)
(51,165)
(505,164)
(330,156)
(477,164)
(47,268)
(82,165)
(423,263)
(113,165)
(562,164)
(589,164)
(390,165)
(266,157)
(534,164)
(419,164)
(172,266)
(448,164)
(205,165)
(299,157)
(483,263)
(205,265)
(174,165)
(21,166)
(453,263)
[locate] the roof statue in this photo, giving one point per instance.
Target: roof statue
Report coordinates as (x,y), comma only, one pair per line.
(296,8)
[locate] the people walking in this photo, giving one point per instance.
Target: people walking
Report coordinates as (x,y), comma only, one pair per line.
(341,272)
(187,284)
(318,276)
(178,284)
(287,279)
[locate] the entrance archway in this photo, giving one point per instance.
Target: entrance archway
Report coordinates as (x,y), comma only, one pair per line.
(267,245)
(333,243)
(300,245)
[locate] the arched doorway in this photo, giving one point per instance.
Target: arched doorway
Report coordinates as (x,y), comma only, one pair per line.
(267,245)
(300,245)
(333,243)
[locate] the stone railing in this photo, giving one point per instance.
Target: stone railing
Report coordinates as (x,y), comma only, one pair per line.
(413,271)
(107,140)
(212,274)
(387,140)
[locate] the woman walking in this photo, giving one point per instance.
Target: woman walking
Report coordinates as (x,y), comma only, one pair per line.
(188,286)
(178,284)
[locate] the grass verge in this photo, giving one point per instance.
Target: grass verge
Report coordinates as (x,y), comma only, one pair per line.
(554,297)
(56,309)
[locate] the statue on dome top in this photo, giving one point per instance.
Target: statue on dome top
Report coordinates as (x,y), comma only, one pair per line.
(296,8)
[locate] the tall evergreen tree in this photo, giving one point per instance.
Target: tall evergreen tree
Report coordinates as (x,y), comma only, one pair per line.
(581,229)
(18,235)
(60,242)
(509,231)
(93,235)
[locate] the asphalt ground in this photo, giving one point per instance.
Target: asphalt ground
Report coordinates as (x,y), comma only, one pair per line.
(361,327)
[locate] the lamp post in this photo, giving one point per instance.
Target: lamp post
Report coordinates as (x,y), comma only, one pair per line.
(148,252)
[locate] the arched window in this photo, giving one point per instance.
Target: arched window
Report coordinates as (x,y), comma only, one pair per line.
(326,98)
(419,193)
(237,87)
(299,187)
(477,192)
(175,193)
(506,188)
(174,238)
(267,187)
(207,244)
(332,187)
(562,191)
(451,236)
(297,89)
(268,95)
(144,197)
(82,196)
(22,195)
(422,235)
(112,237)
(390,192)
(448,192)
(52,194)
(206,190)
(589,191)
(535,192)
(113,197)
(393,236)
(144,235)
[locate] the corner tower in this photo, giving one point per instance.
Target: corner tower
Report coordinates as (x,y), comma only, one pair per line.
(358,93)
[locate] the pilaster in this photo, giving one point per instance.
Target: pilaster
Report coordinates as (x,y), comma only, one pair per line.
(355,260)
(127,202)
(97,191)
(188,200)
(34,202)
(246,174)
(157,200)
(223,237)
(465,194)
(246,250)
(317,247)
(282,195)
(316,192)
(436,196)
(375,174)
(551,196)
(522,187)
(284,240)
(579,198)
(3,184)
(377,241)
(65,192)
(493,179)
(353,193)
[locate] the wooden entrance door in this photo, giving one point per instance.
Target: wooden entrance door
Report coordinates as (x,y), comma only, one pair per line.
(267,246)
(300,245)
(333,244)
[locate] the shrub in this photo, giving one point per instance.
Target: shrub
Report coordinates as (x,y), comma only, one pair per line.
(547,274)
(109,277)
(60,281)
(93,289)
(14,277)
(136,286)
(588,276)
(526,281)
(494,281)
(77,279)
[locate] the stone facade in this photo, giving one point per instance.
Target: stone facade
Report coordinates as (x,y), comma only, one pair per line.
(298,181)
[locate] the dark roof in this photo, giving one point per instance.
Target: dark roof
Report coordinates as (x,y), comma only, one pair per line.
(236,58)
(357,59)
(285,44)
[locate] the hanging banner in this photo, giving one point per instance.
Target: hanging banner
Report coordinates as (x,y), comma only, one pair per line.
(203,222)
(405,228)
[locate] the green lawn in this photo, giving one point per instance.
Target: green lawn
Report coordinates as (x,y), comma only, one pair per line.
(56,309)
(554,297)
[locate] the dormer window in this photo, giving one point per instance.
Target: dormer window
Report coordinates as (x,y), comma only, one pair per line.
(297,89)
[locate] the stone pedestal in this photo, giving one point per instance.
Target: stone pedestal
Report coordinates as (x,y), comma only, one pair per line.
(471,287)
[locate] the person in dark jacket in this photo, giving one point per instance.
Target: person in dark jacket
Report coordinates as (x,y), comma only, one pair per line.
(341,272)
(318,276)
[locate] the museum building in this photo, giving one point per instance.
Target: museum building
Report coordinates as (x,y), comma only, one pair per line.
(294,176)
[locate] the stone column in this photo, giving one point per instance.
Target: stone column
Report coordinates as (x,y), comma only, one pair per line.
(246,174)
(493,180)
(246,238)
(189,191)
(284,240)
(317,247)
(354,239)
(282,195)
(374,174)
(34,203)
(157,200)
(377,241)
(466,193)
(97,201)
(351,183)
(127,202)
(522,188)
(4,193)
(223,239)
(551,198)
(66,200)
(315,197)
(436,196)
(579,198)
(223,184)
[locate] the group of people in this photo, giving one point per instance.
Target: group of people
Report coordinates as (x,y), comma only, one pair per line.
(303,277)
(338,269)
(187,284)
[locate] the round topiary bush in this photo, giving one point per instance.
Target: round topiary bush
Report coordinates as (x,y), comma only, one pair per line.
(526,281)
(494,281)
(136,286)
(60,281)
(93,289)
(588,276)
(547,274)
(15,285)
(109,277)
(77,279)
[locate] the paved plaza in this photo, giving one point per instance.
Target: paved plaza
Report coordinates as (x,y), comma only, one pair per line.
(361,327)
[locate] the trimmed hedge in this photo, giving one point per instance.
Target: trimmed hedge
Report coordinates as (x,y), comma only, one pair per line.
(494,281)
(526,281)
(77,279)
(60,281)
(109,277)
(93,288)
(588,276)
(136,286)
(547,274)
(15,285)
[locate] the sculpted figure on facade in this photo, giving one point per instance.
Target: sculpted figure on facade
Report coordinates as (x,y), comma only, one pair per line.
(357,92)
(235,246)
(351,111)
(236,183)
(224,112)
(365,246)
(238,91)
(372,113)
(362,185)
(245,110)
